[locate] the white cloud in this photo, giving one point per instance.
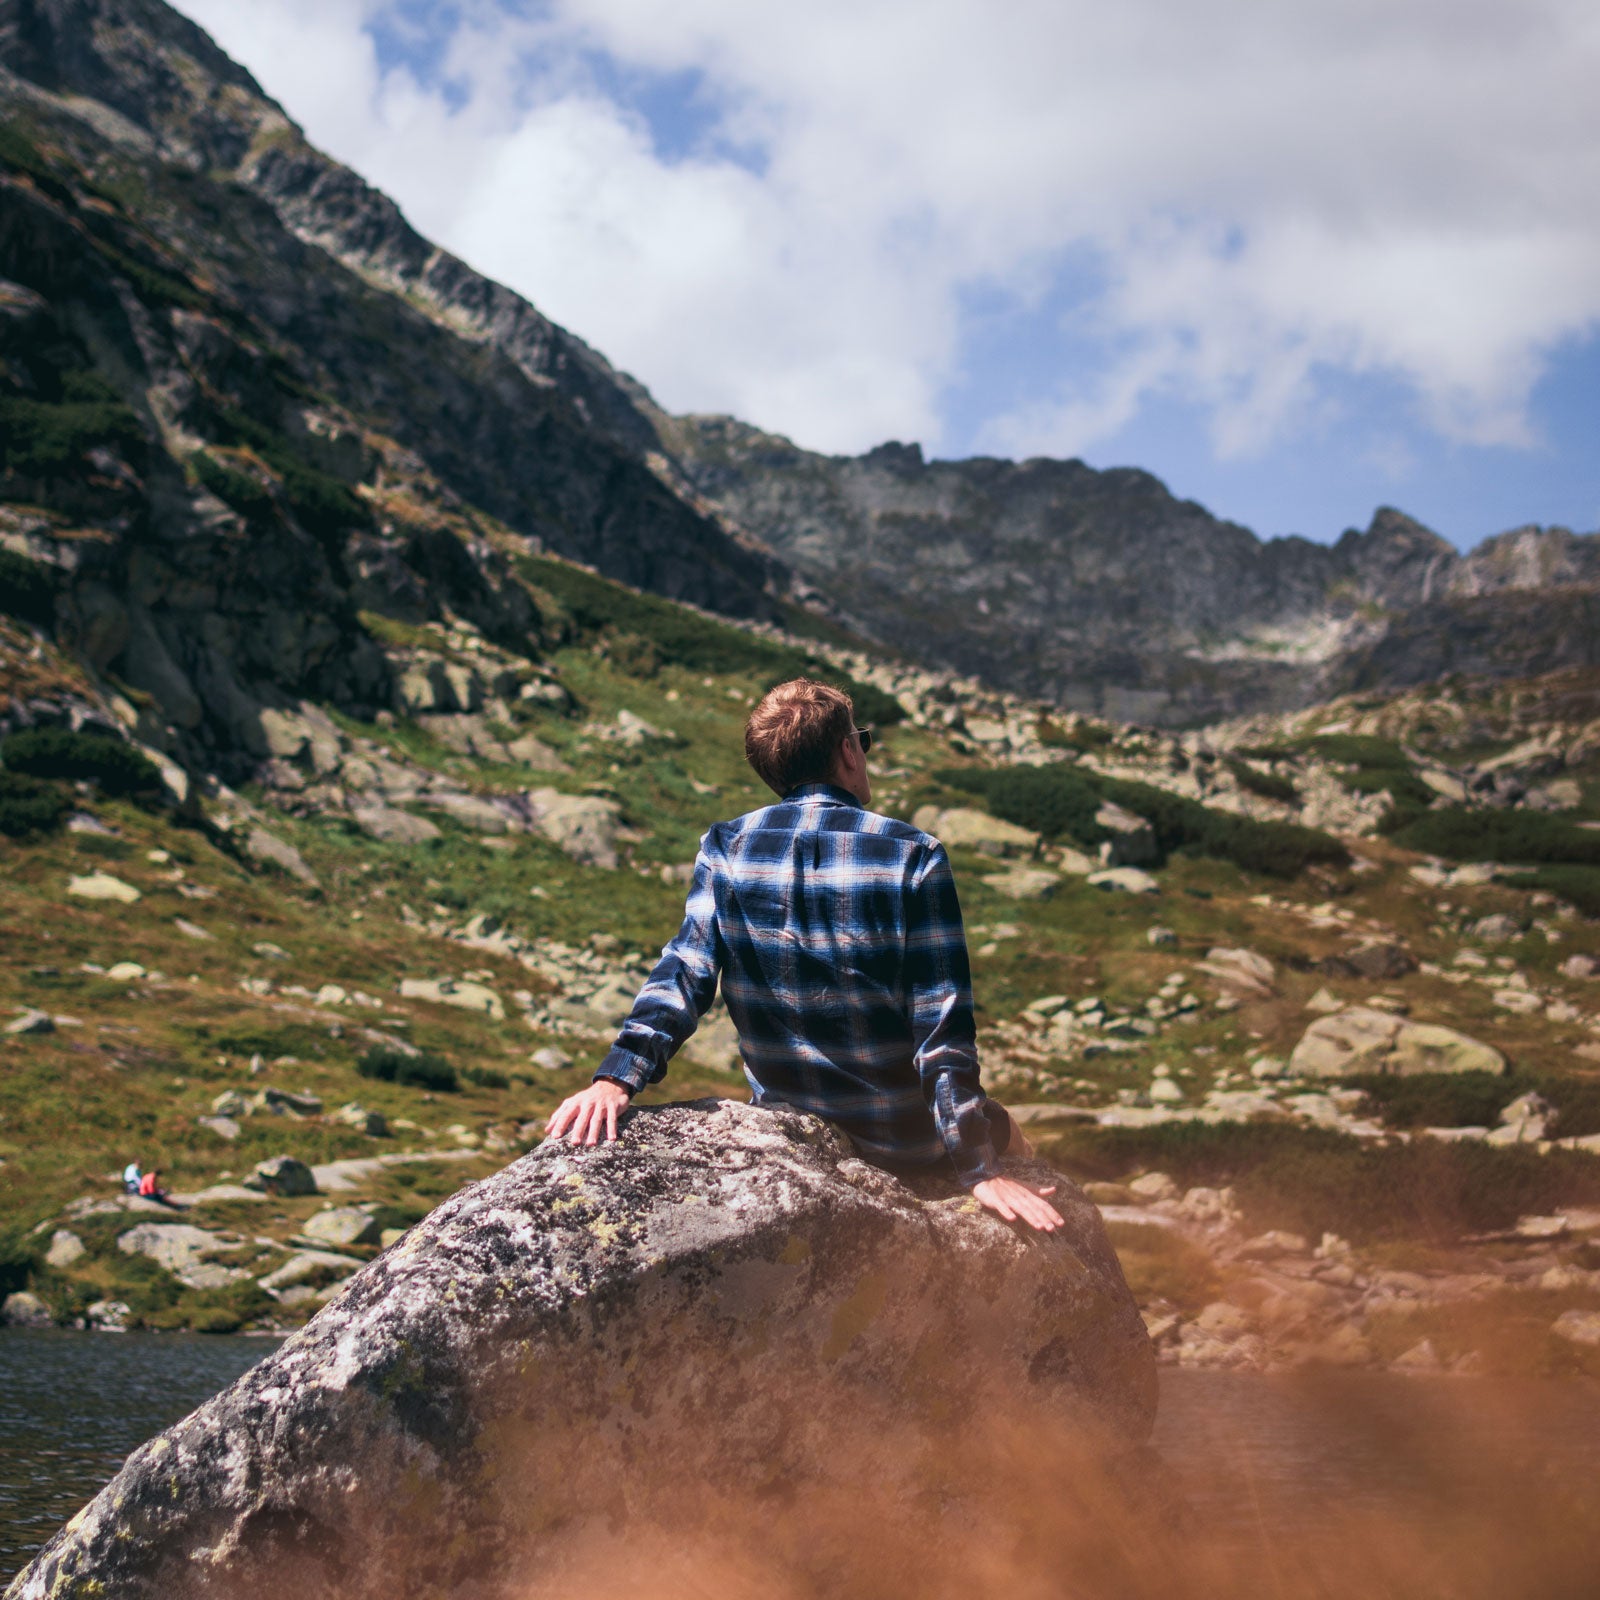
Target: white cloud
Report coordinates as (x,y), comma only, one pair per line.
(1273,193)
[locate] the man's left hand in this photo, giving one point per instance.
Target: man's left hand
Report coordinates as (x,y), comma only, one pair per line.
(589,1113)
(1019,1202)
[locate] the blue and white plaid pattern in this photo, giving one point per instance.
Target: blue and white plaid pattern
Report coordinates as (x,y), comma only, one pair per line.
(837,934)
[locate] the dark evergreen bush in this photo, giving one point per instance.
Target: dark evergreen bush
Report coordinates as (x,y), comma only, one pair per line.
(1269,785)
(116,767)
(1460,833)
(27,589)
(1578,886)
(40,440)
(425,1071)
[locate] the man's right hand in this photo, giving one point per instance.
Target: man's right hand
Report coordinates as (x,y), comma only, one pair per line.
(1019,1202)
(588,1113)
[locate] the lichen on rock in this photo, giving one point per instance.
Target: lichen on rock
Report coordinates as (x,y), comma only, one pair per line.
(727,1296)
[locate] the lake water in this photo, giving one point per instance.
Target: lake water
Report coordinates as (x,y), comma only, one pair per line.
(1405,1485)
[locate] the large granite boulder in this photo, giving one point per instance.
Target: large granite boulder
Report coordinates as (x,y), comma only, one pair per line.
(1362,1039)
(727,1297)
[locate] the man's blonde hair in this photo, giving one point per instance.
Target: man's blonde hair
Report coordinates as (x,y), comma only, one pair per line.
(794,734)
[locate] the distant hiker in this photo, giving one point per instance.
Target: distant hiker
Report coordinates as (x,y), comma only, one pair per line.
(838,938)
(150,1188)
(132,1177)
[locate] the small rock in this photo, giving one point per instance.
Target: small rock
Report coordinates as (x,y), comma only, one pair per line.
(1161,938)
(269,951)
(1267,1069)
(24,1309)
(190,930)
(342,1226)
(283,1175)
(1154,1186)
(1165,1092)
(1580,966)
(1421,1357)
(1242,970)
(965,828)
(126,972)
(1024,883)
(303,1265)
(32,1021)
(357,1116)
(102,886)
(230,1103)
(108,1316)
(1047,1005)
(1126,880)
(1576,1327)
(393,825)
(1272,1245)
(267,849)
(1324,1001)
(550,1059)
(1556,1227)
(454,992)
(1496,929)
(279,1101)
(223,1127)
(65,1248)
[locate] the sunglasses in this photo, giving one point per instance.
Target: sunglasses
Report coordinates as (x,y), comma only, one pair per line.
(865,737)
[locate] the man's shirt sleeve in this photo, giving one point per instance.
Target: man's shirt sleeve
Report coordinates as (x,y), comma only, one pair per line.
(943,1033)
(675,995)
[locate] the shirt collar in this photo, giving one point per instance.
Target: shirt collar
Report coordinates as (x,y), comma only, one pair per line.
(822,791)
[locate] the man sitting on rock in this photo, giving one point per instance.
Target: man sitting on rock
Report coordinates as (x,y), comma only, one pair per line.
(838,939)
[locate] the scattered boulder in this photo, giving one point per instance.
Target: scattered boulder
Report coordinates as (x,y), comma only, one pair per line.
(1376,959)
(1242,971)
(1127,880)
(1153,1186)
(108,1316)
(1024,883)
(1361,1039)
(1273,1246)
(181,1248)
(454,992)
(341,1226)
(584,827)
(268,850)
(102,886)
(309,1268)
(422,1422)
(1580,966)
(965,828)
(1421,1357)
(1160,938)
(31,1021)
(24,1309)
(1575,1327)
(550,1059)
(283,1175)
(534,753)
(65,1248)
(1496,929)
(354,1115)
(393,825)
(286,1102)
(223,1127)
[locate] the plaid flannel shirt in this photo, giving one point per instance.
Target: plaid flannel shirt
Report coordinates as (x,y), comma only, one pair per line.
(837,936)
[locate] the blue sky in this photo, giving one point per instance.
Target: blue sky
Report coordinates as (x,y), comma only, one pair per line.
(1298,261)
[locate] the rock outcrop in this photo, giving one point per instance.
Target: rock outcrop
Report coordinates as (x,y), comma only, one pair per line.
(726,1297)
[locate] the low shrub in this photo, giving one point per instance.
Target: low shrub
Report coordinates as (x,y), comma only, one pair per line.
(1461,833)
(425,1071)
(28,806)
(485,1078)
(1062,800)
(1439,1099)
(322,505)
(247,495)
(1359,750)
(1056,801)
(1269,785)
(1085,736)
(41,440)
(604,611)
(1578,886)
(111,763)
(27,589)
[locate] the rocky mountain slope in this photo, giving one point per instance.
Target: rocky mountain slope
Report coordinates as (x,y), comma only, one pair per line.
(1102,591)
(195,261)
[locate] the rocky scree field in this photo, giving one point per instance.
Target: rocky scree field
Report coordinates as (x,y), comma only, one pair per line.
(1337,1098)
